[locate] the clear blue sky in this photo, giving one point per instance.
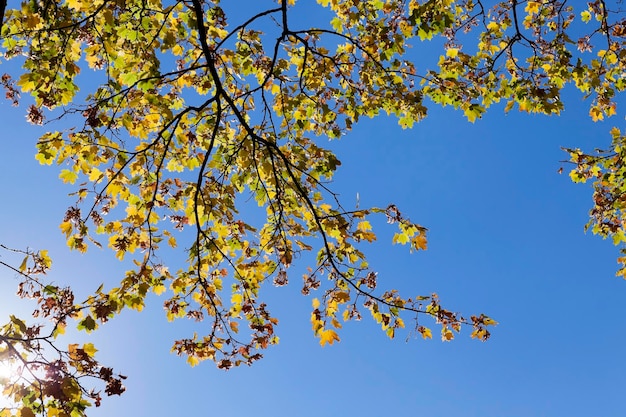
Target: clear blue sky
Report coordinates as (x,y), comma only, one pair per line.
(505,239)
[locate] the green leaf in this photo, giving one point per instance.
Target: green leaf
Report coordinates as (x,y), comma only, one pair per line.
(88,324)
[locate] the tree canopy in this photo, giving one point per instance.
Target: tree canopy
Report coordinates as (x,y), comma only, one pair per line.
(188,111)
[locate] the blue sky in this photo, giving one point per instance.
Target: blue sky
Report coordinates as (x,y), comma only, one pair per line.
(506,238)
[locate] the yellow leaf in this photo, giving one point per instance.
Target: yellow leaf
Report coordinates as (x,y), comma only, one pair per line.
(585,16)
(24,264)
(316,303)
(493,26)
(59,329)
(611,57)
(75,4)
(478,334)
(377,315)
(236,298)
(192,360)
(44,258)
(400,238)
(95,174)
(89,349)
(616,133)
(66,228)
(177,50)
(346,315)
(364,226)
(452,52)
(45,158)
(596,114)
(325,207)
(331,307)
(221,230)
(68,176)
(532,7)
(328,336)
(131,210)
(159,289)
(488,321)
(426,333)
(54,412)
(577,176)
(26,83)
(216,32)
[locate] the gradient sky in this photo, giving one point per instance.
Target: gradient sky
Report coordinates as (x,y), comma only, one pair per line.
(506,239)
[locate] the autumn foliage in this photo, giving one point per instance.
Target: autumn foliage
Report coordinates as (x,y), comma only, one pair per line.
(191,109)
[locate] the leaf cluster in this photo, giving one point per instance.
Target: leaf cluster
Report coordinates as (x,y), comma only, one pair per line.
(42,377)
(199,113)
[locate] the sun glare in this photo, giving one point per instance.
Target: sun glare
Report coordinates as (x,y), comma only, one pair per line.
(8,370)
(9,373)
